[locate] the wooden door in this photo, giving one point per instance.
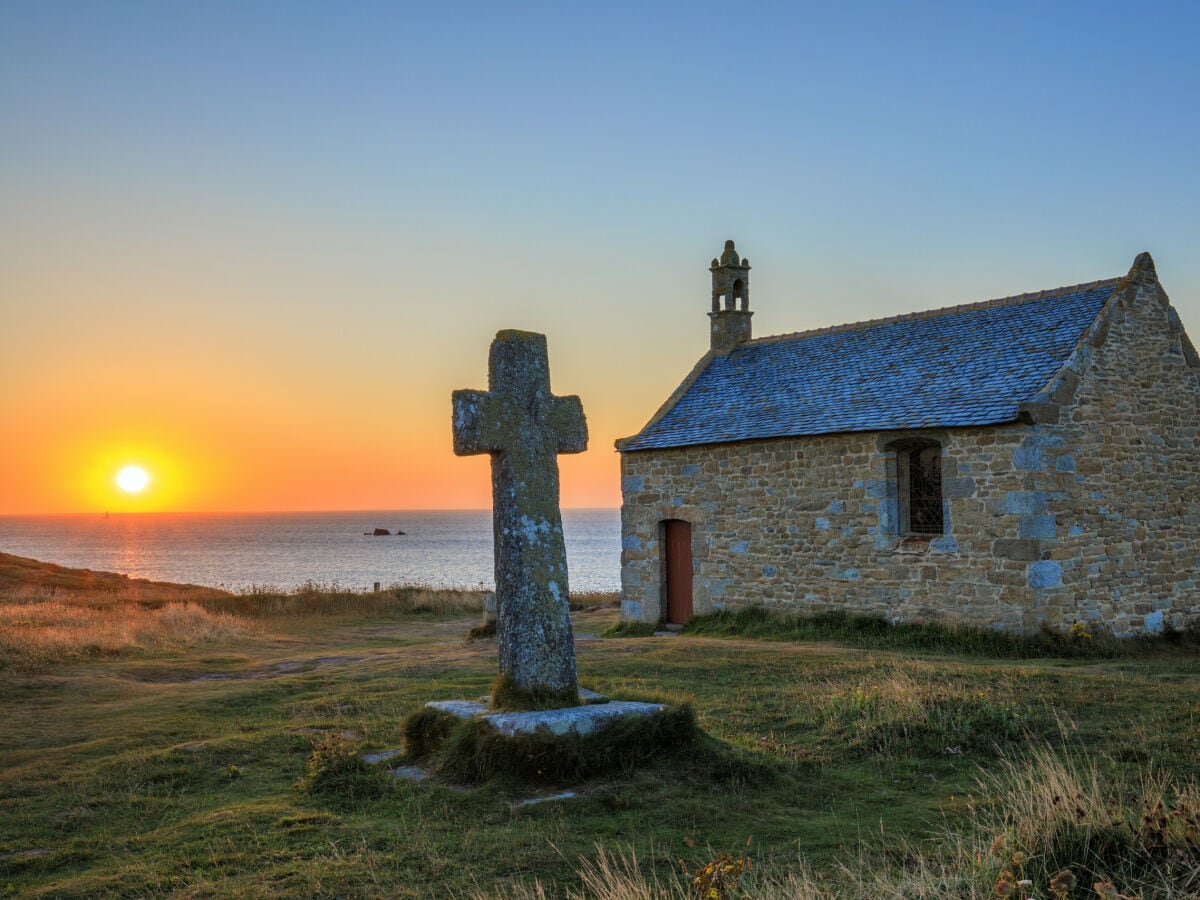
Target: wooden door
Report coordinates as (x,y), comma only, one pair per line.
(679,571)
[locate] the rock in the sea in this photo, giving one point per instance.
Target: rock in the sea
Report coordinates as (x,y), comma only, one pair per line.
(379,532)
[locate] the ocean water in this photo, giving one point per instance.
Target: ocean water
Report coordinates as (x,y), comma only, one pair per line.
(445,548)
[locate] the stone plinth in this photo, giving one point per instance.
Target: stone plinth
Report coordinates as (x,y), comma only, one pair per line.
(576,720)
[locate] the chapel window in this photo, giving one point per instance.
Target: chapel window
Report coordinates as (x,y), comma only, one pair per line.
(919,489)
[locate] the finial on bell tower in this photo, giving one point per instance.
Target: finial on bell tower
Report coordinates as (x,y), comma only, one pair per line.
(730,300)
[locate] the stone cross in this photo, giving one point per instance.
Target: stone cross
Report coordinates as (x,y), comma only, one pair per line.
(524,427)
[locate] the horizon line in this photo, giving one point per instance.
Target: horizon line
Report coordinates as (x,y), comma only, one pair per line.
(272,512)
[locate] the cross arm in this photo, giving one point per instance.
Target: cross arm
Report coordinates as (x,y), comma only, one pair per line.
(568,424)
(478,422)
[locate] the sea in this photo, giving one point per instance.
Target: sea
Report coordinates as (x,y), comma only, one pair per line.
(284,551)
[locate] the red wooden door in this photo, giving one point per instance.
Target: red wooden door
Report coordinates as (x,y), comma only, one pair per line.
(679,571)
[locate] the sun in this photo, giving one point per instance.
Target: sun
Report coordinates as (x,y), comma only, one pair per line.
(133,479)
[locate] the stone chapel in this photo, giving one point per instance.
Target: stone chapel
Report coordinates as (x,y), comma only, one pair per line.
(1020,463)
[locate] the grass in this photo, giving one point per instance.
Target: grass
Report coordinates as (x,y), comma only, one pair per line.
(50,614)
(872,632)
(630,629)
(40,635)
(231,766)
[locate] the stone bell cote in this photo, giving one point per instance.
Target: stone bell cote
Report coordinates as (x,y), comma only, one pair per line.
(730,301)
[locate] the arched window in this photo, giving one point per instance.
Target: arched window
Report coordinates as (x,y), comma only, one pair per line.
(919,488)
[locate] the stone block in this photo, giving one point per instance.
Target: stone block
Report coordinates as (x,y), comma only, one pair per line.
(1024,503)
(578,720)
(1021,550)
(944,544)
(463,709)
(958,488)
(877,488)
(1028,458)
(1045,573)
(1037,527)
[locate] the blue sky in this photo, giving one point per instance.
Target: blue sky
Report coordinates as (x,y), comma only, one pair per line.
(371,190)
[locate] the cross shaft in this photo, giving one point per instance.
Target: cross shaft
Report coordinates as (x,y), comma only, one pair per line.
(523,427)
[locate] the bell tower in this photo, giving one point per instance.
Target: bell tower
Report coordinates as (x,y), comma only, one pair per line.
(730,301)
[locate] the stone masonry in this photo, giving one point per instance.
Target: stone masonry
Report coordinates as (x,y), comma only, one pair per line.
(1087,509)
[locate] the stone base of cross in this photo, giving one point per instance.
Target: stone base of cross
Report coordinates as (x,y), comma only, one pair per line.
(524,427)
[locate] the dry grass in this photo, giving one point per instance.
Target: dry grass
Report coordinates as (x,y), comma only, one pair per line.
(898,711)
(321,600)
(37,634)
(23,578)
(45,626)
(1050,814)
(1044,827)
(50,614)
(595,599)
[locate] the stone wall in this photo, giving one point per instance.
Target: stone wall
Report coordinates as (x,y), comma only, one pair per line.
(1090,513)
(1121,479)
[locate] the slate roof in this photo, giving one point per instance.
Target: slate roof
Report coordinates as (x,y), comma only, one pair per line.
(963,365)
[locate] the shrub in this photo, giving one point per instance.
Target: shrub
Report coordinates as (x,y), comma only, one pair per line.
(336,771)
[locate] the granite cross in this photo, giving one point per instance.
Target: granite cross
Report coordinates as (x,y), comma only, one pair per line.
(524,427)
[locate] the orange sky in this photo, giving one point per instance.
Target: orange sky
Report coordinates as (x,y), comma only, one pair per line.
(239,435)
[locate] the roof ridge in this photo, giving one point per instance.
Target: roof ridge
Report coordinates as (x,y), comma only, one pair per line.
(941,311)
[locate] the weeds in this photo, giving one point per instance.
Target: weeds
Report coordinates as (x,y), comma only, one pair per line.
(335,770)
(718,878)
(1066,823)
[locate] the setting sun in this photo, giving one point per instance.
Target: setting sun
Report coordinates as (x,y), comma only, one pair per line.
(133,479)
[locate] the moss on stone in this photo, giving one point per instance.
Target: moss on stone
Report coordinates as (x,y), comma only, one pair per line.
(475,752)
(507,697)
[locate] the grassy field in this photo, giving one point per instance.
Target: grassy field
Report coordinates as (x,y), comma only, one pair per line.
(156,744)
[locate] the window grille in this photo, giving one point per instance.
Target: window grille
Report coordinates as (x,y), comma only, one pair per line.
(925,491)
